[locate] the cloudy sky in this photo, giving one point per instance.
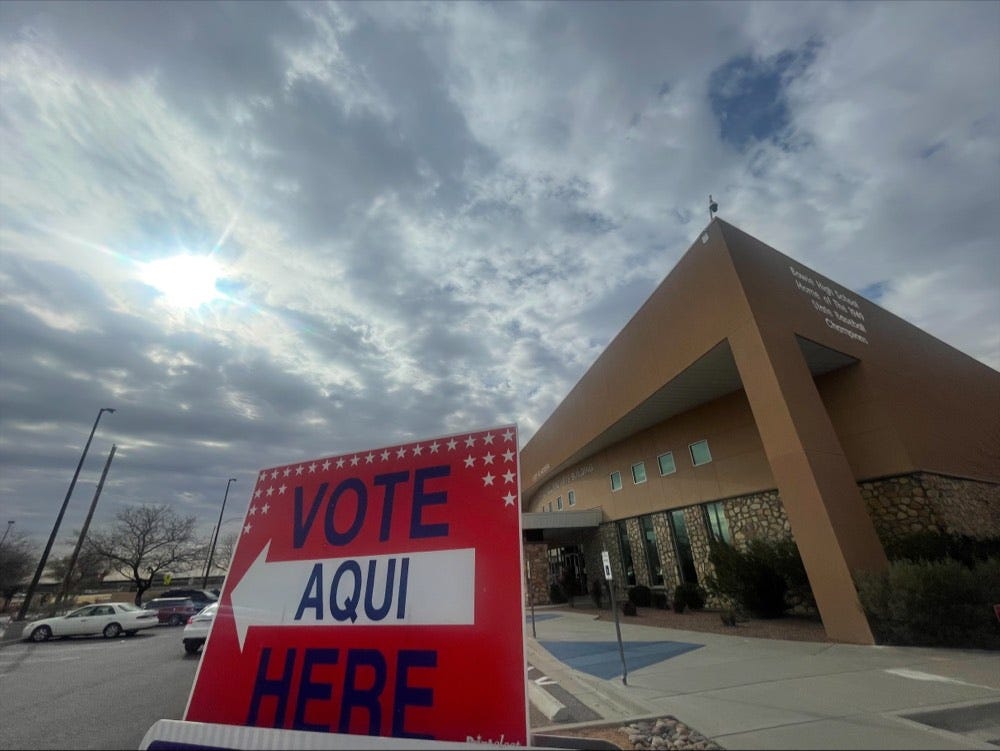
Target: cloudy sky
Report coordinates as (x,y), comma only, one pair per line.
(269,232)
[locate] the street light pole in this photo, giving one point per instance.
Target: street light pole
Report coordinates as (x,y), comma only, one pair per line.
(86,525)
(9,525)
(215,537)
(55,527)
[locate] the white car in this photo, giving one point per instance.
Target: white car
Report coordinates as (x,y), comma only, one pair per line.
(197,628)
(110,619)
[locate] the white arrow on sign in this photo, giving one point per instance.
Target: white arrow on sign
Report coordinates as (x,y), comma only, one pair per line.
(431,588)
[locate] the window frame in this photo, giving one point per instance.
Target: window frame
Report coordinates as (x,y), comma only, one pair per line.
(642,465)
(694,462)
(718,531)
(571,497)
(559,503)
(616,475)
(673,463)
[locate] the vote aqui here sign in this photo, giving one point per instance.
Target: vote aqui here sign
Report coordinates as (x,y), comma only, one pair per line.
(377,593)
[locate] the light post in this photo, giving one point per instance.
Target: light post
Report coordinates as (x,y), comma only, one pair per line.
(5,532)
(215,537)
(55,527)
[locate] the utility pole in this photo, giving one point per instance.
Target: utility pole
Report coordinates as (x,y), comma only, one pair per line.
(86,525)
(22,611)
(215,537)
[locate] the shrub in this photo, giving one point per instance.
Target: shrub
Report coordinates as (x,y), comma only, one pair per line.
(756,579)
(640,595)
(628,608)
(690,594)
(940,546)
(660,600)
(933,603)
(556,595)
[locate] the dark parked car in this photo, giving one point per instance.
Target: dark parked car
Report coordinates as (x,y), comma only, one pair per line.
(201,596)
(174,611)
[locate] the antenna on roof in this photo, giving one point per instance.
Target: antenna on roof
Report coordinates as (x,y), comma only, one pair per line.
(713,208)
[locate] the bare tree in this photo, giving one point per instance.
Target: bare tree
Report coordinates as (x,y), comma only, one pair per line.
(224,552)
(18,558)
(89,571)
(146,540)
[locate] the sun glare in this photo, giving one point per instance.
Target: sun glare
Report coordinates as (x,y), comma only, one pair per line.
(185,281)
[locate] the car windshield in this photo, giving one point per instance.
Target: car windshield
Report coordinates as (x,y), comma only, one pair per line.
(128,606)
(210,610)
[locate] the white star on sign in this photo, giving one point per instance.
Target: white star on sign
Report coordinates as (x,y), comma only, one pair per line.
(274,475)
(508,435)
(246,529)
(508,455)
(253,510)
(369,458)
(326,465)
(298,469)
(340,463)
(385,455)
(401,453)
(287,471)
(509,499)
(452,444)
(270,491)
(488,438)
(508,476)
(470,442)
(312,467)
(264,508)
(434,447)
(282,488)
(257,493)
(469,461)
(418,450)
(487,458)
(487,479)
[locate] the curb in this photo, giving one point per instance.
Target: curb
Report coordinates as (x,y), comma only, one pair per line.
(547,704)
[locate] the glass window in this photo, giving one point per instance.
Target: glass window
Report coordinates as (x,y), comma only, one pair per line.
(700,453)
(548,506)
(682,545)
(666,462)
(718,525)
(559,503)
(626,553)
(616,480)
(571,498)
(639,473)
(652,554)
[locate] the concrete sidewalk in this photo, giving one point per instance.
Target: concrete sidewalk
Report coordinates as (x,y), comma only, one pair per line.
(745,693)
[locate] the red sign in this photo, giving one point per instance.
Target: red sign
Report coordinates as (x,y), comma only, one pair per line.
(377,593)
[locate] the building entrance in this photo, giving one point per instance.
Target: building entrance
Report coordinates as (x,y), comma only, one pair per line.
(568,568)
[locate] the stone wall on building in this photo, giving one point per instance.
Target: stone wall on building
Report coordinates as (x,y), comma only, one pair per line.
(536,559)
(926,502)
(756,516)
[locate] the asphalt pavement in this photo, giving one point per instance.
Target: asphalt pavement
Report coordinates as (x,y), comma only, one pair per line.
(745,693)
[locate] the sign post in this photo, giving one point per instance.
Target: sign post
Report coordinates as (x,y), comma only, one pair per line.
(606,559)
(377,593)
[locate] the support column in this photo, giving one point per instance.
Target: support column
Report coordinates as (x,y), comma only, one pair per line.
(828,516)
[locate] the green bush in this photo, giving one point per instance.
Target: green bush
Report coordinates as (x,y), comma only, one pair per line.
(690,594)
(933,603)
(660,600)
(940,546)
(640,595)
(757,579)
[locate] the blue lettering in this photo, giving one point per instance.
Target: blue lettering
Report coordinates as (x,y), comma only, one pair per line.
(313,600)
(278,688)
(363,698)
(377,614)
(308,690)
(332,535)
(300,530)
(390,481)
(420,499)
(350,609)
(406,695)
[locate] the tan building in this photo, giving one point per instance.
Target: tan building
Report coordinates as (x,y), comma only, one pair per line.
(753,397)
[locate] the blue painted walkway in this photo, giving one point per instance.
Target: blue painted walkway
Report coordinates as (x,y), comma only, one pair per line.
(601,658)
